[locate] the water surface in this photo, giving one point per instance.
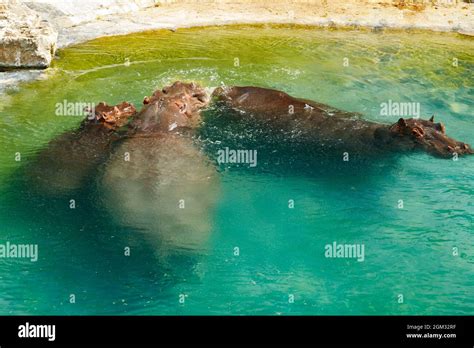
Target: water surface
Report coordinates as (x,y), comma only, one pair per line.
(408,251)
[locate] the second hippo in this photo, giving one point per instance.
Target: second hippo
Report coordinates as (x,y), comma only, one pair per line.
(157,179)
(69,160)
(334,131)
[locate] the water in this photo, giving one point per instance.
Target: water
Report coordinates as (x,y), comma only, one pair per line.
(408,251)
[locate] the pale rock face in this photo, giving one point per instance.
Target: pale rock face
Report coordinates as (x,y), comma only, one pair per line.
(26,41)
(64,14)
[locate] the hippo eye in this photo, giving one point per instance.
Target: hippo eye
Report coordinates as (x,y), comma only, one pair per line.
(165,90)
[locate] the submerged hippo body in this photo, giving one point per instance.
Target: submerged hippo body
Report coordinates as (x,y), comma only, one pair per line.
(335,130)
(157,179)
(166,185)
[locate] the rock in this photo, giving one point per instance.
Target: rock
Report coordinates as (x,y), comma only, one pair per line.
(26,41)
(65,14)
(466,32)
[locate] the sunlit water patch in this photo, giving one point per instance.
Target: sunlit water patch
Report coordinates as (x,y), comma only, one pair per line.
(261,256)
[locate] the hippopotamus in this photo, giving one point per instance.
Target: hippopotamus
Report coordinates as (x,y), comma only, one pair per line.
(146,166)
(67,161)
(175,106)
(151,173)
(157,178)
(71,159)
(334,130)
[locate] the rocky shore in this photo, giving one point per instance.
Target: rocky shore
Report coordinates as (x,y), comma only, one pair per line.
(26,40)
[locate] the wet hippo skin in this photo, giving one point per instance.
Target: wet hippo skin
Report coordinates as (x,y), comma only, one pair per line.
(157,180)
(334,130)
(67,161)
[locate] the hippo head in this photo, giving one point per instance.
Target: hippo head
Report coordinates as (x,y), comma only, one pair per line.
(425,134)
(174,106)
(111,116)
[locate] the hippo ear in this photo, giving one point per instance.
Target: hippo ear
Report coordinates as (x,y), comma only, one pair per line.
(432,119)
(441,128)
(402,123)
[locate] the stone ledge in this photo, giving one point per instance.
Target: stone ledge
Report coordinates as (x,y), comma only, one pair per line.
(170,14)
(26,40)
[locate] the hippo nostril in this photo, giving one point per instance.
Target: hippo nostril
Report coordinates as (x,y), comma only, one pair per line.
(199,97)
(466,148)
(418,132)
(181,107)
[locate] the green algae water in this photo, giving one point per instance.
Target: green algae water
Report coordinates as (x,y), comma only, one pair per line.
(414,213)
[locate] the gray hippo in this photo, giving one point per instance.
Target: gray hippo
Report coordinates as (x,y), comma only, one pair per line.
(69,160)
(336,130)
(149,171)
(157,179)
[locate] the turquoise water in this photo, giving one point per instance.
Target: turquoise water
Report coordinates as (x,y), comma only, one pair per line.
(408,251)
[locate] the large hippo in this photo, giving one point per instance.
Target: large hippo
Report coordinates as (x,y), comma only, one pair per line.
(67,162)
(157,179)
(335,130)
